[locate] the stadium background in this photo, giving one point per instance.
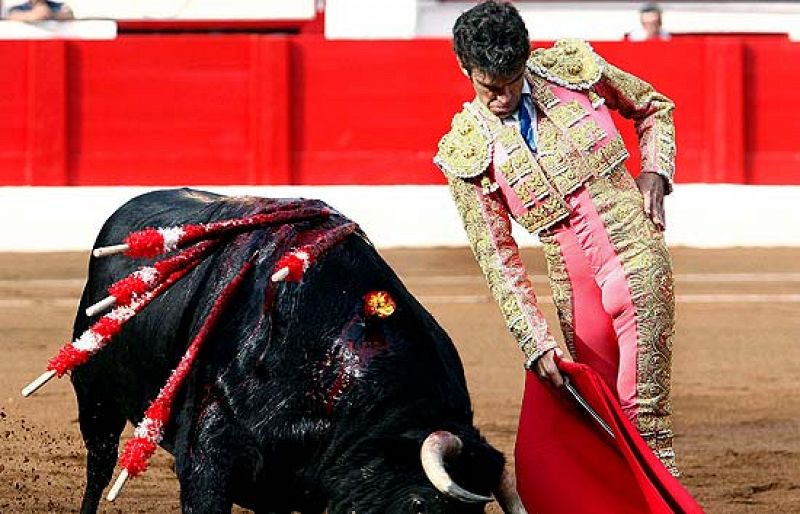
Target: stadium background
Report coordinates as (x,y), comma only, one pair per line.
(345,102)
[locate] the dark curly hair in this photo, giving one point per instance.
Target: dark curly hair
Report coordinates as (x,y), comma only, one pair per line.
(492,38)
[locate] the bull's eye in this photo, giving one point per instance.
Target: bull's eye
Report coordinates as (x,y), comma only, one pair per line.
(419,506)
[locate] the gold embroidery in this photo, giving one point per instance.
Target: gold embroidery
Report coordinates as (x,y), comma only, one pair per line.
(524,192)
(609,156)
(652,114)
(647,264)
(568,181)
(564,166)
(521,171)
(508,172)
(509,138)
(548,211)
(567,114)
(561,288)
(488,229)
(465,151)
(541,93)
(596,99)
(487,186)
(586,135)
(570,63)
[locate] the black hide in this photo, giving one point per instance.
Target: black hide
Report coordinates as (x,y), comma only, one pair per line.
(297,401)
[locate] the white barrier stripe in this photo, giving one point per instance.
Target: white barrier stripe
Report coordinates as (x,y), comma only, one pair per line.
(699,214)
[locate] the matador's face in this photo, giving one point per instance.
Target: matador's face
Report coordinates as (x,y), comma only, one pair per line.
(500,94)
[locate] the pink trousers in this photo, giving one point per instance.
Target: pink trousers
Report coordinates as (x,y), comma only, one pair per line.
(611,276)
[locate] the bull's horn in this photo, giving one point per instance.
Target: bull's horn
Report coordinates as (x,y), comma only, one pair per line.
(507,495)
(438,447)
(104,251)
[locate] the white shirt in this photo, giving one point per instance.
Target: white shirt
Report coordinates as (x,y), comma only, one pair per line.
(526,103)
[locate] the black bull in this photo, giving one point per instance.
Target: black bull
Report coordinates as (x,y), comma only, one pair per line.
(297,402)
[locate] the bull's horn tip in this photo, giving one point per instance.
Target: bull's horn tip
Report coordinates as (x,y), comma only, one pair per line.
(117,487)
(39,382)
(281,274)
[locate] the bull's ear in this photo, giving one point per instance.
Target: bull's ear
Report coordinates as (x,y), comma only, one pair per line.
(478,461)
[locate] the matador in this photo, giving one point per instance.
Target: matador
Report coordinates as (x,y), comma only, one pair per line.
(538,145)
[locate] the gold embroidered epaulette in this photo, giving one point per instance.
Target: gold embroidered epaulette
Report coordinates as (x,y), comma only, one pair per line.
(466,150)
(570,63)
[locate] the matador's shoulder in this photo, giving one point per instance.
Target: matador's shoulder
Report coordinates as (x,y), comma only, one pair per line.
(466,150)
(571,63)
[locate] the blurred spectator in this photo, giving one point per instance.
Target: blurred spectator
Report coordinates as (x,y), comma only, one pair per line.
(651,25)
(40,10)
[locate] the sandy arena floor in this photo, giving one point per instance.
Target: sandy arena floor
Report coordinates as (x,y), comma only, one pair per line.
(736,375)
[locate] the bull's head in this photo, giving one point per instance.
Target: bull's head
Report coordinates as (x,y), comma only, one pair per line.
(437,449)
(444,476)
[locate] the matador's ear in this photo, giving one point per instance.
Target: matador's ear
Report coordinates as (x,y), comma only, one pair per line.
(462,68)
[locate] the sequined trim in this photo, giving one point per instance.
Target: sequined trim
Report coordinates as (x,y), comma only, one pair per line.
(541,92)
(521,170)
(570,63)
(652,114)
(586,135)
(648,267)
(561,287)
(549,211)
(567,114)
(525,176)
(609,156)
(565,167)
(488,229)
(466,150)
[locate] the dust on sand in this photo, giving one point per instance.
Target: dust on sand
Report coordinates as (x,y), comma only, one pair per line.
(736,375)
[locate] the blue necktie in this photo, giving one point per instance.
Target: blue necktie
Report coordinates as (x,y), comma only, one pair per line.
(525,125)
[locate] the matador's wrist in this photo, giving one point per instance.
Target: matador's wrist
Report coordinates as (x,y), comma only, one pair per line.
(664,176)
(538,354)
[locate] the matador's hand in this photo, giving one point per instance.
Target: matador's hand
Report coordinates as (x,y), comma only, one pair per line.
(652,186)
(547,369)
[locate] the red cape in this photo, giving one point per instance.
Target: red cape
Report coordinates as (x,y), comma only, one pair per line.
(566,463)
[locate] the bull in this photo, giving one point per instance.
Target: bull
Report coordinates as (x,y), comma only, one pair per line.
(297,402)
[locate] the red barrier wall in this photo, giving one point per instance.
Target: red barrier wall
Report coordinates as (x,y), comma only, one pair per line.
(264,109)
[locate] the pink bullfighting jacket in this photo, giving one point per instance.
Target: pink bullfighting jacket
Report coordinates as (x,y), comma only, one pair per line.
(493,176)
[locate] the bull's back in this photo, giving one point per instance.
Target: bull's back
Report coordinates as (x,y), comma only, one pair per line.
(137,362)
(286,338)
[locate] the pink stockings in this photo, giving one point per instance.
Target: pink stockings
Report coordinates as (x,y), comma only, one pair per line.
(611,277)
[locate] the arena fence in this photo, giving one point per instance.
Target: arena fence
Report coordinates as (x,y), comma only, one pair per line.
(261,109)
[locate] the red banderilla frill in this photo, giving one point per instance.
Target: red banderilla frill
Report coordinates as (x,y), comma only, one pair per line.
(75,353)
(133,293)
(145,278)
(292,266)
(150,430)
(152,242)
